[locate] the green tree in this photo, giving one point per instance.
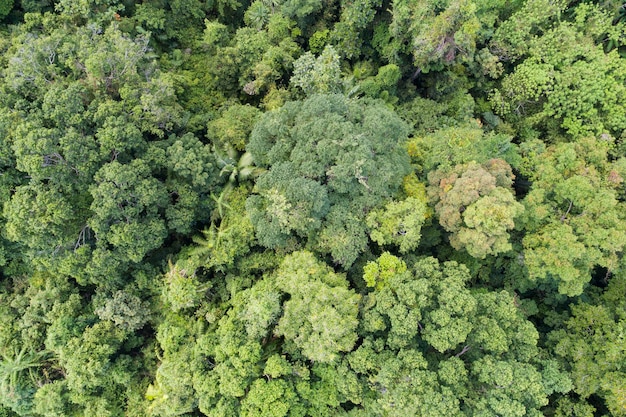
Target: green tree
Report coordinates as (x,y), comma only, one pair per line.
(573,218)
(254,61)
(221,245)
(17,379)
(358,165)
(439,34)
(233,128)
(320,318)
(348,33)
(125,310)
(285,206)
(126,207)
(446,147)
(41,219)
(475,203)
(433,346)
(591,345)
(318,75)
(567,83)
(398,223)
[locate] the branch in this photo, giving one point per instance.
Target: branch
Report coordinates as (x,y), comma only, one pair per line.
(563,217)
(465,349)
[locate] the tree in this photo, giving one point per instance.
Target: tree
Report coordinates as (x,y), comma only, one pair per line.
(192,161)
(221,245)
(446,147)
(398,223)
(17,379)
(319,319)
(127,200)
(567,83)
(346,149)
(233,128)
(573,217)
(476,205)
(438,34)
(348,33)
(433,346)
(318,75)
(125,310)
(41,219)
(254,61)
(285,206)
(590,344)
(106,102)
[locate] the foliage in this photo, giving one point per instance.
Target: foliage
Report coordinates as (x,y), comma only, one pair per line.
(474,202)
(574,219)
(553,87)
(322,164)
(312,208)
(398,223)
(591,343)
(431,307)
(317,75)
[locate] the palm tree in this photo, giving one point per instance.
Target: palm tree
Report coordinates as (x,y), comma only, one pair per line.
(257,15)
(18,377)
(239,168)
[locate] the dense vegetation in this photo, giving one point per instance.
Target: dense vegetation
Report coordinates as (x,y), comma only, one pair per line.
(312,208)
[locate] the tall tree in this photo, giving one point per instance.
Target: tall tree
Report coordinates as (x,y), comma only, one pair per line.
(345,149)
(475,203)
(574,218)
(567,85)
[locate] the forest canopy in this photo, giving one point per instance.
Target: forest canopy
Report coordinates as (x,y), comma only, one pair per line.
(296,208)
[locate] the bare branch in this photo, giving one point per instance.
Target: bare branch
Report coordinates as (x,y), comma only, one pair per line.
(465,349)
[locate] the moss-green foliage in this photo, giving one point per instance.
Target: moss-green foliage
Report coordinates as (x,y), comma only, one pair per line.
(318,75)
(5,8)
(233,128)
(296,208)
(567,82)
(398,223)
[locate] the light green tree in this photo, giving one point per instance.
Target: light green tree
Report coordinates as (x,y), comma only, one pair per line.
(567,83)
(573,219)
(476,204)
(318,75)
(320,318)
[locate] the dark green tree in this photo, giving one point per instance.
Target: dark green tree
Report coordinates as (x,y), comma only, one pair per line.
(348,150)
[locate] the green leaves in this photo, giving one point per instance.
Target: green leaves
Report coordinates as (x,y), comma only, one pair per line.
(327,144)
(193,161)
(476,205)
(126,208)
(320,317)
(318,75)
(167,248)
(567,83)
(233,128)
(125,310)
(398,223)
(573,218)
(286,205)
(476,341)
(42,219)
(592,345)
(18,379)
